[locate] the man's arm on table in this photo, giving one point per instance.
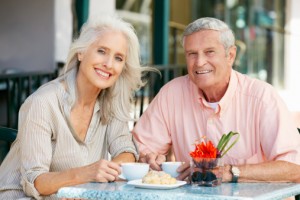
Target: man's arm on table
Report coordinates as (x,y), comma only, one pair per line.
(270,171)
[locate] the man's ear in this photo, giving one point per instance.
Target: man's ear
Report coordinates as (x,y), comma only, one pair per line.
(231,55)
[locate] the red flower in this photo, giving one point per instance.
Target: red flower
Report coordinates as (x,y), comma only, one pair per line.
(204,150)
(208,150)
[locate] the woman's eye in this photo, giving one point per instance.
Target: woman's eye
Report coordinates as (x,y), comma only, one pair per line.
(120,59)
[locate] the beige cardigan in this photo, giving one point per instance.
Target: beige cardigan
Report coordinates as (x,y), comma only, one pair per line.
(46,142)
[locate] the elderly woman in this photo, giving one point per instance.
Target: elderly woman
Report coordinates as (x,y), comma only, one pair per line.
(70,126)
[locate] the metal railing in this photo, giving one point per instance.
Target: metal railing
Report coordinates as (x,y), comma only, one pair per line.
(14,89)
(176,30)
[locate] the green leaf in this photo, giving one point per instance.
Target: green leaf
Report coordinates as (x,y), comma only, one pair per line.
(221,141)
(225,140)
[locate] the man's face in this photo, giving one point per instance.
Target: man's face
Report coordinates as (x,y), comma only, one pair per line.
(208,65)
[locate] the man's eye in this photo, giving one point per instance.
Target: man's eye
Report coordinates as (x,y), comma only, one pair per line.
(101,51)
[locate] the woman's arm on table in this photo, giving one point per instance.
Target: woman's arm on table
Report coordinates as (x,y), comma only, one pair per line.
(100,171)
(124,157)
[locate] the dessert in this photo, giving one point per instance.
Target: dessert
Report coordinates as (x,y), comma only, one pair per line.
(158,177)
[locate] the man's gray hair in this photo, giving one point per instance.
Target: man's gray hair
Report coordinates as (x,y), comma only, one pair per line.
(208,23)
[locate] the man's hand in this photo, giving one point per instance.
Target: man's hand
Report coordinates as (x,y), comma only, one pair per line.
(155,160)
(184,171)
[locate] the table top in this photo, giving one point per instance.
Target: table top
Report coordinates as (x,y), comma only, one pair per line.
(121,190)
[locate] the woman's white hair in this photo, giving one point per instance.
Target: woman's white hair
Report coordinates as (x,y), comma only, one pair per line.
(116,100)
(208,23)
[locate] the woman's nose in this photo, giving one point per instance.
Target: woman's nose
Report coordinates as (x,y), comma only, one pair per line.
(108,62)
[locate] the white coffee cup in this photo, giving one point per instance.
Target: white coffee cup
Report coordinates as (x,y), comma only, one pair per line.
(171,168)
(133,171)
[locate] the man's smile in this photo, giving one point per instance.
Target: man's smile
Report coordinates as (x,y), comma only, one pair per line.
(203,71)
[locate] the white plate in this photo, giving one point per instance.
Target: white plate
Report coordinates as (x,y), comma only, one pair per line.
(139,184)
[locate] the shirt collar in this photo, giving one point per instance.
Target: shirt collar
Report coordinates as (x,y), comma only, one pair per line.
(226,99)
(230,92)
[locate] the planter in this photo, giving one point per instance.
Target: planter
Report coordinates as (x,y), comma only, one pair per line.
(206,172)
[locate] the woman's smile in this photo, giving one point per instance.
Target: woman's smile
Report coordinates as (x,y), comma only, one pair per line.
(102,73)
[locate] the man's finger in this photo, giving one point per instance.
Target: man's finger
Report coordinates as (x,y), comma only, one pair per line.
(151,159)
(183,167)
(184,171)
(143,158)
(160,159)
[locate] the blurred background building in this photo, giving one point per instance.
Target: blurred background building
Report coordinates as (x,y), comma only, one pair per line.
(36,34)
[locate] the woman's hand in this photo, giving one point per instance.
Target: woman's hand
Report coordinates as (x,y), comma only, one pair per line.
(102,171)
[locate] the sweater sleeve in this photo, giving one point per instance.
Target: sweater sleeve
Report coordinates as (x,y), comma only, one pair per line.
(35,142)
(119,139)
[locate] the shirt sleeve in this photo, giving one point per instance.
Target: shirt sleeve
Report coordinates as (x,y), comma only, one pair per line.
(151,131)
(278,132)
(35,142)
(120,139)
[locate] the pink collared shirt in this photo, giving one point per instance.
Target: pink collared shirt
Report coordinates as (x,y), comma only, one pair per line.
(179,115)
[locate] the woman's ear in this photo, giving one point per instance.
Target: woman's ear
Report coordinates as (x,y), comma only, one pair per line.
(79,56)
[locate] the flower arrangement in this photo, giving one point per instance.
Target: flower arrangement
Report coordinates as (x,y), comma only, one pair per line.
(206,149)
(207,160)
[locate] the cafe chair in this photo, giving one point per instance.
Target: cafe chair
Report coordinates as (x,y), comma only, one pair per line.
(7,136)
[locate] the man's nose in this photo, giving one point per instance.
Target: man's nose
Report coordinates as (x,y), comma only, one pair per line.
(201,60)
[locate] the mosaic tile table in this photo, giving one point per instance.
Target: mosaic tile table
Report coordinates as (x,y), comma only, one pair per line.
(120,190)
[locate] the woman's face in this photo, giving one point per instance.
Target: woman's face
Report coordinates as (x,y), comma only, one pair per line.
(103,61)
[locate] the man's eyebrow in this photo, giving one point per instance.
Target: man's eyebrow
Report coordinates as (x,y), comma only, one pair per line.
(209,48)
(190,50)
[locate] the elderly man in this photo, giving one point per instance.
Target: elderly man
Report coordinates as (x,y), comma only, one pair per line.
(214,99)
